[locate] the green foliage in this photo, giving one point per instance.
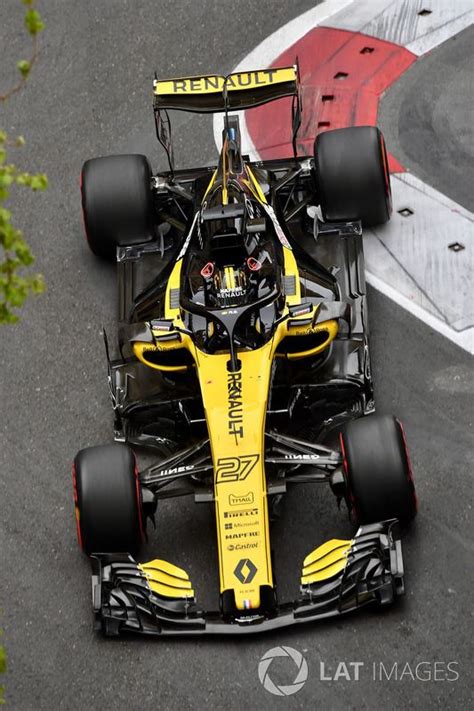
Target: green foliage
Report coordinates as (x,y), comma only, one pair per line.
(33,22)
(15,254)
(23,67)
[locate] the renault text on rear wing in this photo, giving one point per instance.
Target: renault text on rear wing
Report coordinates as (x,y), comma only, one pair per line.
(206,94)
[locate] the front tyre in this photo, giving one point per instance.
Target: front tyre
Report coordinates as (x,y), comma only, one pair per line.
(377,470)
(107,500)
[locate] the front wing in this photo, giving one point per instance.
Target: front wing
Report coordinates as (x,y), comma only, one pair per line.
(124,599)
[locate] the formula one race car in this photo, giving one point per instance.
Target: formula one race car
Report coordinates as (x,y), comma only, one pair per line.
(243,364)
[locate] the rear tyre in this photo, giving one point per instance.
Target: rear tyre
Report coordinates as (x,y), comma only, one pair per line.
(352,176)
(377,470)
(107,500)
(117,203)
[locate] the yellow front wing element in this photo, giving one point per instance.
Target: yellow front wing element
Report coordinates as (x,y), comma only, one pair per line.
(325,561)
(167,579)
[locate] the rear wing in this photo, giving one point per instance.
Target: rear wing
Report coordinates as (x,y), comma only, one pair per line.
(212,92)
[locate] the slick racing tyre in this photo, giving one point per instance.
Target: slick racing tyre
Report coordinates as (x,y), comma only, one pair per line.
(352,176)
(377,470)
(117,203)
(107,500)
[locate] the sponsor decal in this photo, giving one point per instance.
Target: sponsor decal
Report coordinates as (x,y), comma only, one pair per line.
(241,546)
(242,524)
(215,83)
(241,513)
(235,412)
(247,534)
(176,470)
(303,457)
(245,571)
(243,500)
(235,468)
(237,291)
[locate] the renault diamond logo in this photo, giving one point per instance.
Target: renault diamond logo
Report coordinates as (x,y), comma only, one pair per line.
(245,571)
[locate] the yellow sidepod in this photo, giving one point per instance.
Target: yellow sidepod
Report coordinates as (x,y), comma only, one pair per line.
(171,354)
(308,340)
(167,356)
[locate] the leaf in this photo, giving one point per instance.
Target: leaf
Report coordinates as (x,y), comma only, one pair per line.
(5,215)
(5,179)
(39,182)
(16,297)
(23,253)
(23,67)
(33,22)
(37,284)
(23,179)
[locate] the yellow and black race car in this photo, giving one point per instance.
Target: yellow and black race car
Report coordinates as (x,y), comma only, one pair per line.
(242,363)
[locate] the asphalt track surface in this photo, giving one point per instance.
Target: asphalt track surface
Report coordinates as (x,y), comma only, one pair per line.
(90,95)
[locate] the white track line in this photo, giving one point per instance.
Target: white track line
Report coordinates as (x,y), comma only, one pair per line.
(464,339)
(408,260)
(410,255)
(398,21)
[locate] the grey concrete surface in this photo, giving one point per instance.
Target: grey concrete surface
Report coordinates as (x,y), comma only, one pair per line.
(428,118)
(90,95)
